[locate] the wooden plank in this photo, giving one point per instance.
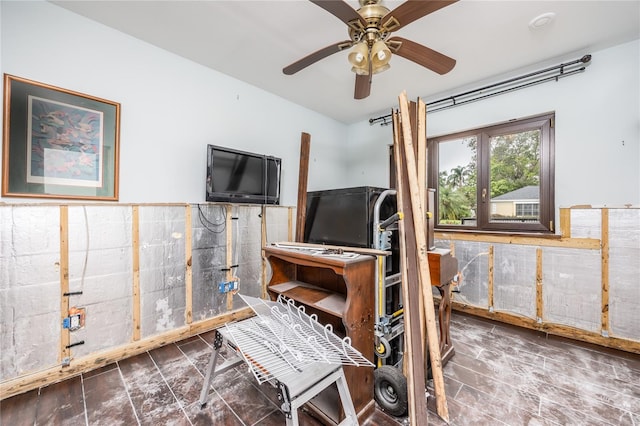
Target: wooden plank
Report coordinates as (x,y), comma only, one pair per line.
(414,362)
(290,225)
(229,252)
(87,363)
(424,276)
(421,155)
(565,223)
(490,281)
(542,241)
(539,311)
(263,261)
(303,173)
(135,251)
(188,273)
(604,231)
(310,246)
(65,338)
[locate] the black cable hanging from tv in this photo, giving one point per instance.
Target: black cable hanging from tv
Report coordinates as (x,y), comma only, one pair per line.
(516,83)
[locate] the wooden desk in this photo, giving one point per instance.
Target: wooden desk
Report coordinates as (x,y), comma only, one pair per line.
(341,292)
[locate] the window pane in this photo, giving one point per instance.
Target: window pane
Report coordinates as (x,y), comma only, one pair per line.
(457,181)
(515,177)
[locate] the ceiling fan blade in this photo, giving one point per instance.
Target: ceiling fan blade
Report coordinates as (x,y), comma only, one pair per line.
(316,56)
(343,12)
(409,11)
(421,55)
(363,86)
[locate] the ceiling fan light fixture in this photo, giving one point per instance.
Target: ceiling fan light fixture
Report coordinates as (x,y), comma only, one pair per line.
(380,54)
(358,57)
(379,69)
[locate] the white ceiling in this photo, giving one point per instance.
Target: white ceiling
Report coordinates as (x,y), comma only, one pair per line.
(253,40)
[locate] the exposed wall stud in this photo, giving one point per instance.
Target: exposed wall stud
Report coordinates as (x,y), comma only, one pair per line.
(135,241)
(65,352)
(188,273)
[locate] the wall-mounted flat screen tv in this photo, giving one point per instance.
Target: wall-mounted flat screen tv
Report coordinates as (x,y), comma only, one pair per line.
(242,177)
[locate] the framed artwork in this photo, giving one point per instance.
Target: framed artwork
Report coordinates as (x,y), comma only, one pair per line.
(58,143)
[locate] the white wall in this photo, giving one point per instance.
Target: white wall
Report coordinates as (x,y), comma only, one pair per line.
(597,129)
(171,107)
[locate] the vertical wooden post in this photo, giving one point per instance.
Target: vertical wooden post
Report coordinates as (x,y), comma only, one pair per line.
(65,338)
(303,173)
(229,253)
(290,225)
(490,284)
(424,276)
(135,251)
(604,237)
(539,306)
(188,273)
(565,223)
(263,242)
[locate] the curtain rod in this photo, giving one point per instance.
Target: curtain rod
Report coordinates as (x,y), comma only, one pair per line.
(501,87)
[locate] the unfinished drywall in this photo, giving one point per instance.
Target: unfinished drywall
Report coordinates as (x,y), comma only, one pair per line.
(514,279)
(101,275)
(29,288)
(209,258)
(247,252)
(473,264)
(571,285)
(162,235)
(624,272)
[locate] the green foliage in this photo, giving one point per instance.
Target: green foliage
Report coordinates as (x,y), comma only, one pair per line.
(514,163)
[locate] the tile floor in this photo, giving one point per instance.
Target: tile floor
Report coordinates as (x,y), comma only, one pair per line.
(500,375)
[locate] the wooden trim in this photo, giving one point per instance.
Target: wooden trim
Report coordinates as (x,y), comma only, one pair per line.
(135,251)
(263,260)
(303,174)
(580,243)
(490,281)
(229,252)
(359,250)
(551,328)
(65,334)
(188,273)
(290,224)
(87,363)
(565,223)
(604,235)
(539,275)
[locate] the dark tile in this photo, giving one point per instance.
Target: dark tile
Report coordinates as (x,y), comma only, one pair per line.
(216,412)
(61,403)
(107,400)
(19,410)
(180,374)
(151,397)
(245,400)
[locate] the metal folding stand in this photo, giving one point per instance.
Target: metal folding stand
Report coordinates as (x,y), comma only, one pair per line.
(291,350)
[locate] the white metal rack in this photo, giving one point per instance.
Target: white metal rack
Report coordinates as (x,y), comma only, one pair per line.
(291,350)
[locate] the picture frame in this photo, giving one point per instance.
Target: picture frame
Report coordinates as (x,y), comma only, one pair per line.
(58,143)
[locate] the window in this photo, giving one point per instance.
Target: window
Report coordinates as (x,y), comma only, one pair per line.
(497,178)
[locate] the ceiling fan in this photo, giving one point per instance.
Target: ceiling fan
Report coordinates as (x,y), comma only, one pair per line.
(369,29)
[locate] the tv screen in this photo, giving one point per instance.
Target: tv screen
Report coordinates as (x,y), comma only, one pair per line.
(242,177)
